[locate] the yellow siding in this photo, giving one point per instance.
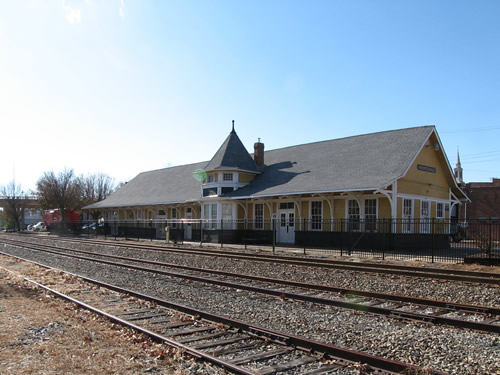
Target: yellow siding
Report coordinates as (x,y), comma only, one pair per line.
(339,208)
(384,209)
(245,177)
(416,208)
(240,213)
(305,209)
(326,210)
(417,182)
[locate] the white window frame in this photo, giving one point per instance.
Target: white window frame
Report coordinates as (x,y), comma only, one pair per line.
(353,219)
(206,215)
(425,219)
(227,215)
(316,216)
(371,217)
(439,216)
(213,215)
(407,220)
(258,216)
(227,177)
(210,178)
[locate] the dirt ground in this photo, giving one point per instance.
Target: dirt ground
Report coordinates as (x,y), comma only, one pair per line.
(41,334)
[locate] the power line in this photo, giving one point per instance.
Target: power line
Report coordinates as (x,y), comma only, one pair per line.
(480,161)
(481,153)
(469,130)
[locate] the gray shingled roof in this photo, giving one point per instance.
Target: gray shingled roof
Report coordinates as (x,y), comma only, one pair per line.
(363,162)
(232,155)
(161,186)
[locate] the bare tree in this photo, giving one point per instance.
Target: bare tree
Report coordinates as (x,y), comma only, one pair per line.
(62,191)
(95,188)
(14,205)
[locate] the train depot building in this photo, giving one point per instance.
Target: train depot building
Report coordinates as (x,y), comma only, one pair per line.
(341,192)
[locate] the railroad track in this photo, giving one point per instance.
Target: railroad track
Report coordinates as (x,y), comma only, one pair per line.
(239,347)
(411,271)
(481,318)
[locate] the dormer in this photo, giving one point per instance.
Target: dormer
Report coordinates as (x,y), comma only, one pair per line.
(231,168)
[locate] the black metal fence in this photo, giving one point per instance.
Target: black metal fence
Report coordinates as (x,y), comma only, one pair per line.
(430,239)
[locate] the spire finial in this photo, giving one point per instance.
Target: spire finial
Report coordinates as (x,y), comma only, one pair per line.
(232,131)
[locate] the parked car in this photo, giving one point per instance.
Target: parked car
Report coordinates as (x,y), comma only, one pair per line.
(38,226)
(88,226)
(92,226)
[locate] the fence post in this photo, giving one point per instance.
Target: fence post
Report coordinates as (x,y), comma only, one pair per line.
(432,238)
(245,233)
(383,239)
(305,234)
(201,232)
(274,235)
(115,230)
(221,233)
(490,241)
(342,231)
(151,226)
(96,228)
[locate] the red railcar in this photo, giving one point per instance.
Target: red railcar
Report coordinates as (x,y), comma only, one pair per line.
(51,217)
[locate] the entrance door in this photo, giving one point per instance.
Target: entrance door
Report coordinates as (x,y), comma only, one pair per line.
(188,229)
(286,223)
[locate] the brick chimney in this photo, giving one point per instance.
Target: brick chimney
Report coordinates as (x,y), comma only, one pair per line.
(258,154)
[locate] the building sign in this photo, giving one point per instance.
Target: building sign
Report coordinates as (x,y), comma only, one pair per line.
(426,168)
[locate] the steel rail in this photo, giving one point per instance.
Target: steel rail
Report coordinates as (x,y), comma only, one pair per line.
(325,288)
(393,312)
(412,271)
(327,351)
(157,337)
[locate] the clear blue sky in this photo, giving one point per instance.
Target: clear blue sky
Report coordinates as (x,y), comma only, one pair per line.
(122,87)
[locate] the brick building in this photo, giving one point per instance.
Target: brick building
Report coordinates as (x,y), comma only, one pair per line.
(484,198)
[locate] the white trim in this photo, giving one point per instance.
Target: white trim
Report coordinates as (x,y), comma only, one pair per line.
(425,226)
(423,197)
(254,217)
(443,211)
(304,192)
(346,214)
(321,216)
(395,203)
(412,216)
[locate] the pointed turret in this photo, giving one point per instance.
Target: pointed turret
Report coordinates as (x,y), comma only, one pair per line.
(232,155)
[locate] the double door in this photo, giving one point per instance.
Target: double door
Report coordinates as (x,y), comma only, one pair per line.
(286,224)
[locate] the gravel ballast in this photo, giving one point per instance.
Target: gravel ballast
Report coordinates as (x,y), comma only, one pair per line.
(447,349)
